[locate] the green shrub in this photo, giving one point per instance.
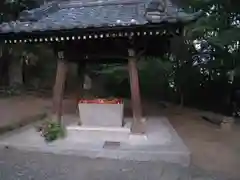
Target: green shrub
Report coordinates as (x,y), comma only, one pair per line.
(51,130)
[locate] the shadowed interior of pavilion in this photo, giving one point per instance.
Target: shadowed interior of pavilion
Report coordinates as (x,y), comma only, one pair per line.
(88,32)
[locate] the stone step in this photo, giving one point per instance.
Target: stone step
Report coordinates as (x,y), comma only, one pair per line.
(96,134)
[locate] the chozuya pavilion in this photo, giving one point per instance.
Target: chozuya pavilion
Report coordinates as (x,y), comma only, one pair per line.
(87,30)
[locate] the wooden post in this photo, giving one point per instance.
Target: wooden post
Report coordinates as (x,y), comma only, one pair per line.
(58,90)
(79,90)
(138,125)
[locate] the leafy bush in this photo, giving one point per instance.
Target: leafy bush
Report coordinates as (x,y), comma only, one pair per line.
(51,130)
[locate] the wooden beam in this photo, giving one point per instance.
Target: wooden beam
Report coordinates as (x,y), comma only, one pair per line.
(138,125)
(58,90)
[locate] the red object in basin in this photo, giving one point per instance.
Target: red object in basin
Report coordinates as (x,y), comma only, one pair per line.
(100,101)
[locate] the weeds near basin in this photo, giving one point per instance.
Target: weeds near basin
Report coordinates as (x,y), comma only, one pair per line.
(51,130)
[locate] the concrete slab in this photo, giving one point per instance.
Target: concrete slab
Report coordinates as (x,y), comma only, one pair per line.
(161,143)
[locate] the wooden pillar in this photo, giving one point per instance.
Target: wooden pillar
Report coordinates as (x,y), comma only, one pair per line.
(79,89)
(138,125)
(80,92)
(58,90)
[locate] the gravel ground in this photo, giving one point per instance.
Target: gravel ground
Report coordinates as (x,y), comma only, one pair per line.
(18,165)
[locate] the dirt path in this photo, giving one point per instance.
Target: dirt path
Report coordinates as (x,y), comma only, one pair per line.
(212,149)
(16,109)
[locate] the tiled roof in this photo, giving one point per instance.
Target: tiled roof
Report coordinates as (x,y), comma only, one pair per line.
(84,14)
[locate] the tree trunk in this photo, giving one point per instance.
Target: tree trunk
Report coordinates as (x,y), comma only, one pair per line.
(181,98)
(4,65)
(15,72)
